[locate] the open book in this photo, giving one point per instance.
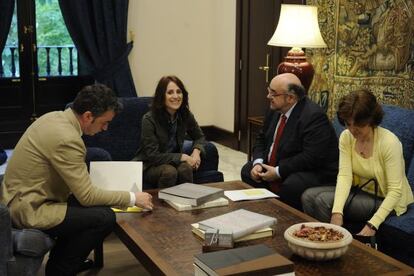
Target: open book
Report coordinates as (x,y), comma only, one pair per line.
(240,222)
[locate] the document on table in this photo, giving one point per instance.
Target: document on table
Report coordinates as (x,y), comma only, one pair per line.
(117,175)
(133,209)
(249,194)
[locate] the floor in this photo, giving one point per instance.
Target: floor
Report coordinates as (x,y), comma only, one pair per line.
(117,258)
(230,162)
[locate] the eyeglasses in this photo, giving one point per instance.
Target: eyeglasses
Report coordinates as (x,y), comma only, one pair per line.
(272,93)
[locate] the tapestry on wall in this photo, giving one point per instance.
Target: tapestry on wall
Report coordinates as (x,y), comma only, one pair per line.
(370,45)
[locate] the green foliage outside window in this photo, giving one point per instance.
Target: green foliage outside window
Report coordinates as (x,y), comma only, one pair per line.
(11,43)
(51,32)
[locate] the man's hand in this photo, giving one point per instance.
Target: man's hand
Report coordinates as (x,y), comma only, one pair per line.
(196,156)
(337,219)
(143,200)
(254,173)
(269,173)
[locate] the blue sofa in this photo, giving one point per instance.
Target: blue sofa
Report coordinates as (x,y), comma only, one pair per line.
(396,234)
(21,250)
(121,141)
(3,156)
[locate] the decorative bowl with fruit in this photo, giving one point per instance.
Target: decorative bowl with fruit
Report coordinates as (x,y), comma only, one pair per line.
(317,240)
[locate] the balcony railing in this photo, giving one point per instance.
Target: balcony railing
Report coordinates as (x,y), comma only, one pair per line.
(13,70)
(52,61)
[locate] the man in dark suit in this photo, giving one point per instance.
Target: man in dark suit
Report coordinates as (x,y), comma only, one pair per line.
(297,147)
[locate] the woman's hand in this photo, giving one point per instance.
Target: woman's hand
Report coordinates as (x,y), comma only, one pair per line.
(196,156)
(189,160)
(143,200)
(337,219)
(367,231)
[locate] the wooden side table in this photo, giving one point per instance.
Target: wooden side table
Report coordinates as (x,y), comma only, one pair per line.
(255,123)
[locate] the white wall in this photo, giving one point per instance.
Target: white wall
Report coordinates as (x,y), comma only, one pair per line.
(193,39)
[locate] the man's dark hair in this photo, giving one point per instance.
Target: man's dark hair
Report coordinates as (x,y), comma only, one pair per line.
(361,107)
(298,90)
(158,104)
(96,98)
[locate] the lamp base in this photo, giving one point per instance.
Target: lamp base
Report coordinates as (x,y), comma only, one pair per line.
(295,62)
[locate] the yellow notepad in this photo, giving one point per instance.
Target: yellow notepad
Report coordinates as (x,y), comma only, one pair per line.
(133,209)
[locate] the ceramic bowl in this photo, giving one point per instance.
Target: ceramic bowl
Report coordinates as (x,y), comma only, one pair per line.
(318,250)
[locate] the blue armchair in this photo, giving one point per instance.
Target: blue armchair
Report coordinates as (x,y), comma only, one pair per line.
(3,156)
(396,234)
(121,141)
(22,250)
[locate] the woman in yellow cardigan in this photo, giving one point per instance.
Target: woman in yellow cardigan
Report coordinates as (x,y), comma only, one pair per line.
(368,154)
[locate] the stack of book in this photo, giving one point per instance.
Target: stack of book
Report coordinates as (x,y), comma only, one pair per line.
(188,196)
(250,260)
(243,224)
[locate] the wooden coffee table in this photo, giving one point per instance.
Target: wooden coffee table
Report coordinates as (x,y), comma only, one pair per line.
(163,242)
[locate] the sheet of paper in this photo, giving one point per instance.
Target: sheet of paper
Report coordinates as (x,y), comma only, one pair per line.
(117,175)
(249,194)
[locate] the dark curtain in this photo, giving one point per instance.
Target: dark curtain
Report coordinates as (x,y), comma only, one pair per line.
(99,30)
(6,14)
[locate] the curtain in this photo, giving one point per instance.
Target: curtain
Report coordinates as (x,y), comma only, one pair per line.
(6,14)
(99,31)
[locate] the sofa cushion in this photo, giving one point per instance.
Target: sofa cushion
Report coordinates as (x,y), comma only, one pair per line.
(24,265)
(211,176)
(410,174)
(401,122)
(122,138)
(404,222)
(396,236)
(96,154)
(3,156)
(6,251)
(31,242)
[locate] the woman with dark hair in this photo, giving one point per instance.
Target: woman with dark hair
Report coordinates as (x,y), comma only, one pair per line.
(164,128)
(371,181)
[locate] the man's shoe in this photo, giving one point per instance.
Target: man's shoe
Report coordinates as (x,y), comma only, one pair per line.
(87,264)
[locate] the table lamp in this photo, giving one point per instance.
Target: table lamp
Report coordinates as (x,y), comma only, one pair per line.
(298,28)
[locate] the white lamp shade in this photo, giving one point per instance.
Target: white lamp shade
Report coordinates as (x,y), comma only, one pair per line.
(298,27)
